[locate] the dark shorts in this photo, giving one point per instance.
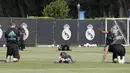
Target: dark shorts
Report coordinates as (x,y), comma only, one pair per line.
(117,50)
(13,50)
(106,46)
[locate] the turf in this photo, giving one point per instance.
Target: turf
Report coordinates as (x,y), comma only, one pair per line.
(41,60)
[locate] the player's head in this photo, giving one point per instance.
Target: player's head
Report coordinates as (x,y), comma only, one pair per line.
(110,30)
(12,24)
(63,53)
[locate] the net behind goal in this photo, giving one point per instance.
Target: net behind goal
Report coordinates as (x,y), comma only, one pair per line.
(120,26)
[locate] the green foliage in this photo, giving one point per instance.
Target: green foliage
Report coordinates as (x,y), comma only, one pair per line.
(35,17)
(57,9)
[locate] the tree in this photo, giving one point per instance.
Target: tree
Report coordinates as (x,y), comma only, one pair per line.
(21,8)
(63,8)
(57,9)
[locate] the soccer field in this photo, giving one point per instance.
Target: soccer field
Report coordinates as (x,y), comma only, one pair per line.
(41,60)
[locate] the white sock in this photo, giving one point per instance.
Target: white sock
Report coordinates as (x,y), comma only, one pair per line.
(8,59)
(123,60)
(11,58)
(119,59)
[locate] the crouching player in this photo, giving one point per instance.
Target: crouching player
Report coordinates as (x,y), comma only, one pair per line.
(118,51)
(64,58)
(11,36)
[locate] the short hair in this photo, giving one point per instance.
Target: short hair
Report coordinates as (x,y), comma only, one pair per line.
(63,54)
(12,23)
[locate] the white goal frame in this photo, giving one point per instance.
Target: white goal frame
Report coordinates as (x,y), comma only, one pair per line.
(128,22)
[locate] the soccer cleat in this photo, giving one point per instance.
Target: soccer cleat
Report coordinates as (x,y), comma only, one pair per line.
(15,60)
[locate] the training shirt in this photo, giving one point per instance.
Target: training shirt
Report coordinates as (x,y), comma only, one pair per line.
(110,38)
(12,35)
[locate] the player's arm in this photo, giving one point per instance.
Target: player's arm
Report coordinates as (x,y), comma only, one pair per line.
(103,31)
(18,33)
(114,37)
(24,33)
(6,34)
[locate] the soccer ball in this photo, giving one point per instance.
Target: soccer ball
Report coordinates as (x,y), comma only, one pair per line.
(115,60)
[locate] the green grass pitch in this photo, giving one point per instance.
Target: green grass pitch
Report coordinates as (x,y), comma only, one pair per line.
(41,60)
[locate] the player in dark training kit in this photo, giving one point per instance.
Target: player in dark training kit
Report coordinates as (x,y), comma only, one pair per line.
(12,35)
(118,50)
(109,41)
(65,58)
(21,40)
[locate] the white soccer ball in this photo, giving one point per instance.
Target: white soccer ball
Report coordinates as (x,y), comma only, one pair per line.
(4,45)
(115,60)
(52,45)
(79,46)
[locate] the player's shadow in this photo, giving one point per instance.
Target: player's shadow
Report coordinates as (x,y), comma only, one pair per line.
(2,60)
(108,62)
(127,62)
(117,63)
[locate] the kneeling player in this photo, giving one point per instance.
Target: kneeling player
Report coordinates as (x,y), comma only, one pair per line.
(118,51)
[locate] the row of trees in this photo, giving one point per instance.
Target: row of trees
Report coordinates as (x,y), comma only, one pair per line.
(103,8)
(64,8)
(21,8)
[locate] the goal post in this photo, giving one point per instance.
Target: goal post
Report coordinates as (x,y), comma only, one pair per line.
(120,27)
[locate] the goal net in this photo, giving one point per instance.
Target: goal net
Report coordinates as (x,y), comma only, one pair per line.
(119,26)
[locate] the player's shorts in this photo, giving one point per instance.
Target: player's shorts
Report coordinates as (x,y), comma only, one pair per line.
(117,50)
(106,46)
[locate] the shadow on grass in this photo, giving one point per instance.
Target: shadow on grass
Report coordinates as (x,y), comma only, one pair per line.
(127,62)
(108,62)
(2,60)
(117,63)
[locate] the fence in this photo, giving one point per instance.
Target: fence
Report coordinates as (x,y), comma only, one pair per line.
(45,31)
